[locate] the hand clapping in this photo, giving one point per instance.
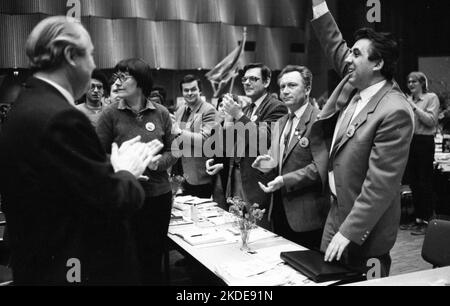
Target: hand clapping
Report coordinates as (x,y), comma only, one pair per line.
(134,156)
(231,107)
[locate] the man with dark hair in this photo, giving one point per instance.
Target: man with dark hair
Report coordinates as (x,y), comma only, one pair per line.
(368,125)
(93,105)
(298,208)
(66,204)
(192,125)
(263,110)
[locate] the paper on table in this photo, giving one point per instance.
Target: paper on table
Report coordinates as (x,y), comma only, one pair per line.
(260,233)
(258,273)
(182,221)
(197,236)
(272,254)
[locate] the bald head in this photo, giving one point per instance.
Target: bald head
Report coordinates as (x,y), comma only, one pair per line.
(47,42)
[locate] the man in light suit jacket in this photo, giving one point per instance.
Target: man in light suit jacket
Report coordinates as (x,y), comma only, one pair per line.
(263,110)
(299,206)
(368,126)
(192,125)
(66,204)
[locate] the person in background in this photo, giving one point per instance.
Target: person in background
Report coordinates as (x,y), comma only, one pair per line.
(160,94)
(192,125)
(67,205)
(113,92)
(298,162)
(93,105)
(419,170)
(261,112)
(218,166)
(136,115)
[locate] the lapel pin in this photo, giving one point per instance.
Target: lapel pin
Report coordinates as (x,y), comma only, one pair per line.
(304,142)
(150,126)
(254,118)
(351,131)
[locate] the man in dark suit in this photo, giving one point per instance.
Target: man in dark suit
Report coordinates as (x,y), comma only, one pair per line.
(256,118)
(66,204)
(368,126)
(299,206)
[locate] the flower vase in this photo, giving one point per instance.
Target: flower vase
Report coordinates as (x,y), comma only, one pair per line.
(245,235)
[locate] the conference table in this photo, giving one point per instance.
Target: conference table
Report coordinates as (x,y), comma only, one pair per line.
(213,240)
(432,277)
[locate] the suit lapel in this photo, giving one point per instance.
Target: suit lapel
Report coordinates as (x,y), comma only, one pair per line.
(261,106)
(301,128)
(361,118)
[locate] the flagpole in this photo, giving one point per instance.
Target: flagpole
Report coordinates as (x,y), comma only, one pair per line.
(244,39)
(232,84)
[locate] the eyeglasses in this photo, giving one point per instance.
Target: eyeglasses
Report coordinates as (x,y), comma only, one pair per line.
(122,77)
(252,79)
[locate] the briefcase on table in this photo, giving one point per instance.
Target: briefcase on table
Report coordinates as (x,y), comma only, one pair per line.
(311,264)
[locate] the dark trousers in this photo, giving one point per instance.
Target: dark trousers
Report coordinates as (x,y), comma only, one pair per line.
(419,175)
(280,225)
(201,191)
(150,225)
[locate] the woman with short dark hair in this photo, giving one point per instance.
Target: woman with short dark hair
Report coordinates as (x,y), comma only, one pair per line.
(137,115)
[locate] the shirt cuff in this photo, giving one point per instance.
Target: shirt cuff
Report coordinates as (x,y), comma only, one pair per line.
(320,10)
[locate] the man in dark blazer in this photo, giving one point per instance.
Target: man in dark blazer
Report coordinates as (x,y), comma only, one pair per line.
(66,204)
(368,126)
(257,117)
(299,207)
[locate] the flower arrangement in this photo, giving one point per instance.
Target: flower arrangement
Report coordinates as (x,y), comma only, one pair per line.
(246,213)
(246,216)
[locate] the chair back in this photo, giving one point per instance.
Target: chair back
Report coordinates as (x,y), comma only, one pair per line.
(436,244)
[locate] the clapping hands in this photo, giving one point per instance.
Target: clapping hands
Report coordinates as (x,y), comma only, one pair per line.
(135,156)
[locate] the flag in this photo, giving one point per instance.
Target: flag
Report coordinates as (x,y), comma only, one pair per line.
(227,69)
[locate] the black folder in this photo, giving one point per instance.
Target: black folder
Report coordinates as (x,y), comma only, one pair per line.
(311,264)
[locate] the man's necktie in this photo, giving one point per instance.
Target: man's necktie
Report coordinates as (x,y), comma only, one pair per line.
(249,112)
(287,133)
(186,114)
(350,111)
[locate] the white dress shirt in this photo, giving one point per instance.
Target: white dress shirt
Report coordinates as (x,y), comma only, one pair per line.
(366,95)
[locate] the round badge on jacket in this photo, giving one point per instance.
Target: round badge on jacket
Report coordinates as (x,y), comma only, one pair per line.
(150,127)
(304,142)
(351,131)
(254,118)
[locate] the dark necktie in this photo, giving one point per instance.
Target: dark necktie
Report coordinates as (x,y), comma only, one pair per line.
(186,114)
(249,112)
